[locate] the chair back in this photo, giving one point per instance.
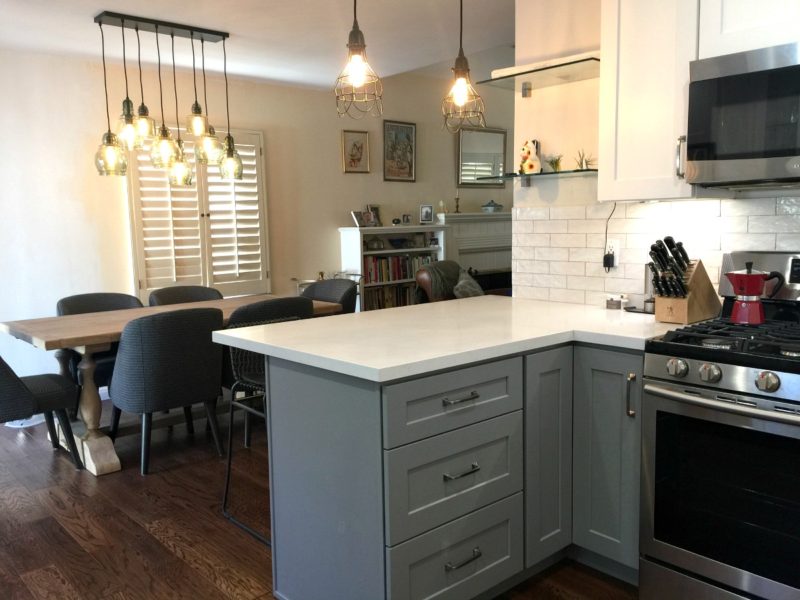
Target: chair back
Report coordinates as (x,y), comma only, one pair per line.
(183,293)
(168,360)
(436,281)
(16,400)
(96,302)
(341,291)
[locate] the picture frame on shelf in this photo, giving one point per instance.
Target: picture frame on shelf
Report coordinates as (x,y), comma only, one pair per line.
(425,214)
(358,218)
(355,151)
(376,214)
(399,151)
(368,218)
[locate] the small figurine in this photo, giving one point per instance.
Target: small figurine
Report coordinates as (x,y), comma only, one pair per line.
(529,158)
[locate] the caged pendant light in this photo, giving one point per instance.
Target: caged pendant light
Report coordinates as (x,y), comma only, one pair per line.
(144,123)
(180,171)
(462,106)
(110,158)
(196,122)
(208,148)
(126,130)
(358,90)
(164,149)
(230,163)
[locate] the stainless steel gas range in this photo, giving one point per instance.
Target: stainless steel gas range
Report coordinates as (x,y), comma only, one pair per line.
(720,508)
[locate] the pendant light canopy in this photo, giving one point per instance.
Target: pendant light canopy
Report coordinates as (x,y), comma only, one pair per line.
(358,90)
(164,149)
(462,106)
(126,131)
(144,123)
(196,122)
(180,171)
(230,163)
(110,158)
(208,148)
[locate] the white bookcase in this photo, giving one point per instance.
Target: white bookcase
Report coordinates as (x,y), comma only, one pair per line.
(387,258)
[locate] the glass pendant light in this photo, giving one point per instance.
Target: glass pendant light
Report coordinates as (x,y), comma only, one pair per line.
(208,149)
(164,149)
(126,131)
(462,106)
(110,158)
(196,123)
(230,163)
(145,125)
(358,90)
(180,171)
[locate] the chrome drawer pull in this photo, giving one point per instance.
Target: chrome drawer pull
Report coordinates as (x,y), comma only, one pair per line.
(628,408)
(476,554)
(474,468)
(472,396)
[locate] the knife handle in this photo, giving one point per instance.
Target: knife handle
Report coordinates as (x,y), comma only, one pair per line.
(669,241)
(683,252)
(678,259)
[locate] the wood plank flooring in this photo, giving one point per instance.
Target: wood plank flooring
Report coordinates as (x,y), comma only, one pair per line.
(67,535)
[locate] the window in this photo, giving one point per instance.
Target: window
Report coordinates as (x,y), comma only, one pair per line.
(213,233)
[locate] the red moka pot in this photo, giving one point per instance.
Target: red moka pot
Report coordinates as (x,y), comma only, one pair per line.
(749,286)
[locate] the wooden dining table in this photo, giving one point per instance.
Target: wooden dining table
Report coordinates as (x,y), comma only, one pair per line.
(89,333)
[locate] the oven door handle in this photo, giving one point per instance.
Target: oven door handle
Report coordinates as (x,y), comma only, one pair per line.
(730,407)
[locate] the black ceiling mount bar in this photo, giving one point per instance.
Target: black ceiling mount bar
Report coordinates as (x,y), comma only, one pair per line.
(165,27)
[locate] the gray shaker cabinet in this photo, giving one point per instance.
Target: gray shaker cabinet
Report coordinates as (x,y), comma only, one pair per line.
(606,447)
(548,453)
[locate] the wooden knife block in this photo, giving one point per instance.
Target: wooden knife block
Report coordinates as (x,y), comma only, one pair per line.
(701,302)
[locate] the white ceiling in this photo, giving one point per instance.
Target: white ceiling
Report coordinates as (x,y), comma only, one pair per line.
(294,41)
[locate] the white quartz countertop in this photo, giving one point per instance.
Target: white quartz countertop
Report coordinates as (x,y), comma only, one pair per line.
(384,345)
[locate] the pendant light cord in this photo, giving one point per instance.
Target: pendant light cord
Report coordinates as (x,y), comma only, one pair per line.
(225,71)
(105,82)
(194,72)
(355,20)
(160,89)
(175,86)
(139,50)
(203,55)
(124,60)
(461,25)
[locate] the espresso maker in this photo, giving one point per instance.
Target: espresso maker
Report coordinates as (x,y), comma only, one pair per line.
(748,286)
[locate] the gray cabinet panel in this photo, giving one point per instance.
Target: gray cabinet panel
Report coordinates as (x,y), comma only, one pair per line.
(461,559)
(438,479)
(548,453)
(606,448)
(431,405)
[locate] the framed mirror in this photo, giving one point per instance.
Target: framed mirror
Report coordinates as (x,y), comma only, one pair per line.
(481,153)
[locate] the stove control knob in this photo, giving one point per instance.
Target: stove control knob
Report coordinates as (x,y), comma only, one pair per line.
(767,381)
(710,373)
(677,367)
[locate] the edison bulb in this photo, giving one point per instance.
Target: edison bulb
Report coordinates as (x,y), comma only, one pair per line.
(145,130)
(164,150)
(110,158)
(357,71)
(180,173)
(460,92)
(127,134)
(210,149)
(196,124)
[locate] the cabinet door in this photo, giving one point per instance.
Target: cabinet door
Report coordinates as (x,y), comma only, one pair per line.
(646,46)
(728,26)
(548,453)
(606,448)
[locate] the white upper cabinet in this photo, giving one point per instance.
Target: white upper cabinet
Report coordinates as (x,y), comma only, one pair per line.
(728,26)
(646,47)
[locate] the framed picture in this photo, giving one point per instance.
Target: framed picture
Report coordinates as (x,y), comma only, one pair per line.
(426,213)
(376,214)
(399,151)
(355,151)
(358,218)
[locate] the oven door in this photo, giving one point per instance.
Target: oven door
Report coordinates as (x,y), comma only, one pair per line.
(721,489)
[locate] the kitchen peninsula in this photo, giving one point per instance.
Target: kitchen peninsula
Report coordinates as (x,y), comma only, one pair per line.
(407,444)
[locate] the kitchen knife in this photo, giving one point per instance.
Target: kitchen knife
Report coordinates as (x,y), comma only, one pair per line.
(683,252)
(675,287)
(680,287)
(668,246)
(678,259)
(663,250)
(656,280)
(655,254)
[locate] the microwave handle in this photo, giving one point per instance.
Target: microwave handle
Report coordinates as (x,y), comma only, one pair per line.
(680,172)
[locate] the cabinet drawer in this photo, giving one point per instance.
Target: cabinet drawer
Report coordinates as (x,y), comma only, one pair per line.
(431,405)
(461,559)
(436,480)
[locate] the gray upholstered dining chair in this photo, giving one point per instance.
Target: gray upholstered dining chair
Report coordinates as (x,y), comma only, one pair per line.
(341,291)
(247,375)
(183,293)
(87,303)
(23,397)
(167,361)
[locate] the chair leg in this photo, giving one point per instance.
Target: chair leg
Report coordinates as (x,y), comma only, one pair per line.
(247,430)
(116,413)
(187,413)
(147,424)
(226,493)
(211,414)
(63,421)
(51,429)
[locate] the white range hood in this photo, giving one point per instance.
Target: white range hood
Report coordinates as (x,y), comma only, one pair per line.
(557,71)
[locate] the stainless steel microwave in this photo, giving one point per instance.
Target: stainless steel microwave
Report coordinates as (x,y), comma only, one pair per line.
(744,120)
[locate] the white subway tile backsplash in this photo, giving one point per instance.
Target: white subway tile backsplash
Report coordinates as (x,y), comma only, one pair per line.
(788,206)
(530,292)
(625,286)
(636,256)
(530,239)
(530,213)
(586,226)
(595,240)
(572,296)
(550,226)
(750,206)
(788,242)
(627,226)
(639,240)
(632,271)
(602,211)
(551,281)
(519,226)
(531,266)
(567,268)
(522,279)
(593,284)
(519,252)
(585,254)
(732,225)
(776,224)
(595,298)
(568,240)
(596,269)
(568,212)
(747,241)
(648,210)
(695,209)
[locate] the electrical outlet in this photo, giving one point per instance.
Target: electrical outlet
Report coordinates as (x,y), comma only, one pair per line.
(612,248)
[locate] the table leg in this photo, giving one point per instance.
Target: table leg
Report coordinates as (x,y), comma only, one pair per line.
(95,447)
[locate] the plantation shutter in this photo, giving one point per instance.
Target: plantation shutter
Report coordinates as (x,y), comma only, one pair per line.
(211,233)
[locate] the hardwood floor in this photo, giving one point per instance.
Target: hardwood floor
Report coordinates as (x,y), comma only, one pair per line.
(67,535)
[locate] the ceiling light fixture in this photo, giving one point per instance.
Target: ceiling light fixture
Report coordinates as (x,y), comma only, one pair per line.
(462,106)
(358,90)
(230,164)
(164,149)
(126,131)
(208,148)
(144,123)
(110,157)
(196,122)
(180,171)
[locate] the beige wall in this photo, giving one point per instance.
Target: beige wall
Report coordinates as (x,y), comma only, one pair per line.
(64,229)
